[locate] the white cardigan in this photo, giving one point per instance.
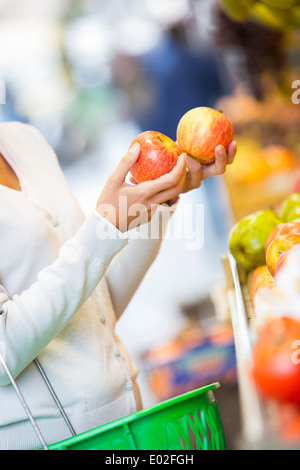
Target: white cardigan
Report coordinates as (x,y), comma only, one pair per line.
(64,280)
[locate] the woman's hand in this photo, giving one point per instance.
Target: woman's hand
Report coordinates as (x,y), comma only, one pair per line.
(122,203)
(196,172)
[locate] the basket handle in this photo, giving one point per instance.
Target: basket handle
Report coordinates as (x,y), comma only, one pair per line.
(23,402)
(55,397)
(25,406)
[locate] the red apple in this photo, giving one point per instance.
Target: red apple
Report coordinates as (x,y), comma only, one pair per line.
(283,229)
(278,246)
(201,130)
(158,156)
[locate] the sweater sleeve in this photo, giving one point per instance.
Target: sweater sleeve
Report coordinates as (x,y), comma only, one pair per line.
(129,267)
(31,319)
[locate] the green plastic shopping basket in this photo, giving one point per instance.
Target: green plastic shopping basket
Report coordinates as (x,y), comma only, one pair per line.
(188,422)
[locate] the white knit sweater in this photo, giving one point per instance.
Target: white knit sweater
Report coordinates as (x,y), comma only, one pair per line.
(64,280)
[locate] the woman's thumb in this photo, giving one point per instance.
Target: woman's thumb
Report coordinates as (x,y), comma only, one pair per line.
(127,161)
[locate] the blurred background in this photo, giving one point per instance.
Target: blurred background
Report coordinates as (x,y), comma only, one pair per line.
(91,75)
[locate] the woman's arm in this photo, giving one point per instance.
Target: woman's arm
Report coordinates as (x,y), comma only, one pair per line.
(129,267)
(30,320)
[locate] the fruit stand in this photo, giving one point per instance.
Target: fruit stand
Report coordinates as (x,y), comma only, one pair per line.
(261,266)
(263,301)
(258,428)
(261,420)
(254,423)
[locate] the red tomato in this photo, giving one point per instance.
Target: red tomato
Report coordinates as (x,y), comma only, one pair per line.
(276,360)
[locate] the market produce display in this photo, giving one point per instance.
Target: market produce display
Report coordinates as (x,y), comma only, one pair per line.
(263,188)
(275,14)
(273,285)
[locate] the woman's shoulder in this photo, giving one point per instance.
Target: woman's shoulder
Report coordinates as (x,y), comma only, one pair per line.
(18,126)
(15,125)
(9,129)
(24,136)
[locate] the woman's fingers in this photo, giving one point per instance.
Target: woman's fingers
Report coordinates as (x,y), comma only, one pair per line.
(198,172)
(194,174)
(231,153)
(166,181)
(222,158)
(219,165)
(169,194)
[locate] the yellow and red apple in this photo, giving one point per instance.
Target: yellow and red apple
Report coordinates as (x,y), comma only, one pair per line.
(287,277)
(201,130)
(283,229)
(261,278)
(158,156)
(283,258)
(278,246)
(264,292)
